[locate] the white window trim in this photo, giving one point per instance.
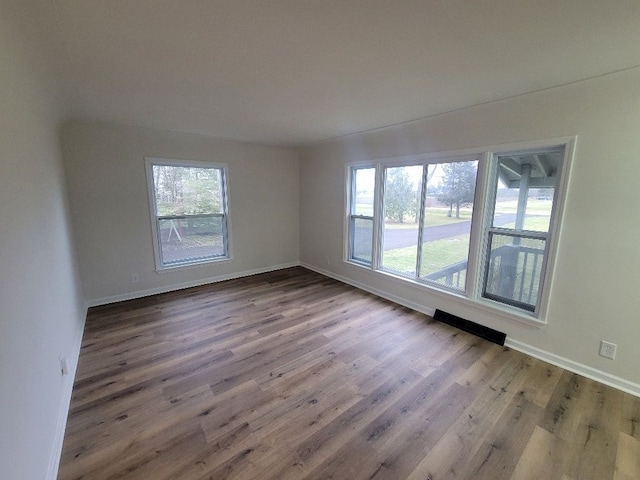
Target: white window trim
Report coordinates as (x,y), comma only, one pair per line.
(423,160)
(478,242)
(149,162)
(348,214)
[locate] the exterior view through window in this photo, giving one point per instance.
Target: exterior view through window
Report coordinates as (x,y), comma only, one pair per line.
(522,205)
(361,215)
(427,221)
(189,205)
(416,220)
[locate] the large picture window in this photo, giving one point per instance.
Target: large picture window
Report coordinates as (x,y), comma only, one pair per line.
(427,221)
(417,219)
(189,207)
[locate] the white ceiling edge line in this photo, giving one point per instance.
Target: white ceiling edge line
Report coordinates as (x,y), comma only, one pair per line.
(75,116)
(456,110)
(297,145)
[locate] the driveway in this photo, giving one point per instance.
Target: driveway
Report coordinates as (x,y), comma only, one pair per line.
(406,237)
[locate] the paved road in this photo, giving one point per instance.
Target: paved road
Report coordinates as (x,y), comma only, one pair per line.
(393,238)
(406,237)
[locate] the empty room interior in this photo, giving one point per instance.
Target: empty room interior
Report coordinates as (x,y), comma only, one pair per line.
(299,239)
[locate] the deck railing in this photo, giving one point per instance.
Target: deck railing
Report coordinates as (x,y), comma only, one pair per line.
(453,275)
(513,274)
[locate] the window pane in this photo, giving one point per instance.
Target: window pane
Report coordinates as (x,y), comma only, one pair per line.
(447,223)
(364,184)
(362,235)
(401,203)
(525,190)
(514,270)
(192,239)
(187,190)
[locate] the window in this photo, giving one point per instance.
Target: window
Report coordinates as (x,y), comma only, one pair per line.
(189,208)
(361,215)
(481,225)
(426,230)
(400,221)
(522,206)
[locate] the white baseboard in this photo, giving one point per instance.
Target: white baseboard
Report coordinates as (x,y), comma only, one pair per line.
(576,367)
(63,412)
(382,294)
(180,286)
(557,360)
(570,365)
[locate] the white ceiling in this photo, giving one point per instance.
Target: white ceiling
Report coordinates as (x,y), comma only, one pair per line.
(291,72)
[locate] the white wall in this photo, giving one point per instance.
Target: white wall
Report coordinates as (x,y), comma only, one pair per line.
(595,291)
(41,311)
(105,170)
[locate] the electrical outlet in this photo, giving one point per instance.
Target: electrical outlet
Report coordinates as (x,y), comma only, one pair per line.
(608,349)
(135,278)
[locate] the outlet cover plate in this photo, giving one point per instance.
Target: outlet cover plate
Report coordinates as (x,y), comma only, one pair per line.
(608,349)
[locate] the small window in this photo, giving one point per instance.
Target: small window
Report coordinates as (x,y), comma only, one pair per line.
(522,206)
(361,215)
(189,208)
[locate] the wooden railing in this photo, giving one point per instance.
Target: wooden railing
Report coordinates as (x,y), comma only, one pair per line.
(451,275)
(513,274)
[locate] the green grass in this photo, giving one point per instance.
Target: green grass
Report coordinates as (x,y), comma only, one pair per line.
(534,206)
(364,209)
(433,217)
(436,255)
(536,224)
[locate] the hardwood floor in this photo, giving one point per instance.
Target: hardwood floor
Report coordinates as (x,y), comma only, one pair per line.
(292,375)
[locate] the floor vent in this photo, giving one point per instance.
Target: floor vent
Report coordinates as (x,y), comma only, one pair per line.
(468,326)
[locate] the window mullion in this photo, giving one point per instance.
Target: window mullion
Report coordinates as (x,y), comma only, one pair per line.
(225,235)
(352,224)
(351,210)
(519,233)
(421,208)
(480,223)
(378,211)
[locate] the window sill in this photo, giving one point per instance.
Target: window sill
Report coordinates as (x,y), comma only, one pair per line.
(505,312)
(189,266)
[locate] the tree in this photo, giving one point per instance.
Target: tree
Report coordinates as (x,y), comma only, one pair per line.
(458,185)
(186,190)
(400,196)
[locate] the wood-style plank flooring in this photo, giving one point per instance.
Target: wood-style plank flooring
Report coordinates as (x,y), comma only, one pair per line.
(292,375)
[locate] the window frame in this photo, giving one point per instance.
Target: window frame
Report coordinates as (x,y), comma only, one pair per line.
(150,162)
(352,216)
(551,237)
(481,221)
(423,161)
